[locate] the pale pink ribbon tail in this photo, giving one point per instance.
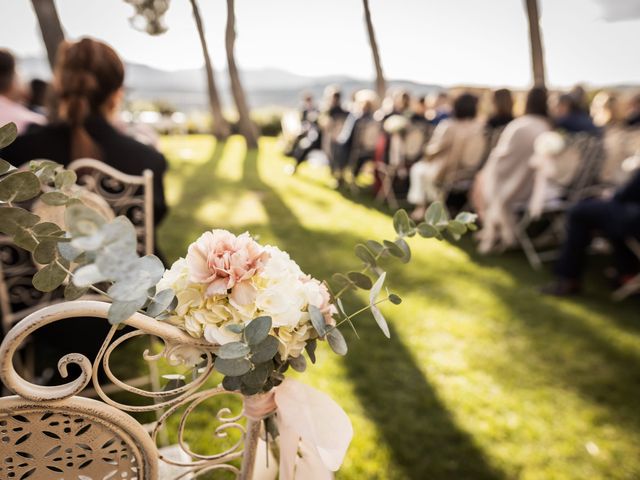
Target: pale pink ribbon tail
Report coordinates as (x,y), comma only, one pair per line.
(315,432)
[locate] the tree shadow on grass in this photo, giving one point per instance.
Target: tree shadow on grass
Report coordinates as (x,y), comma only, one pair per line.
(417,427)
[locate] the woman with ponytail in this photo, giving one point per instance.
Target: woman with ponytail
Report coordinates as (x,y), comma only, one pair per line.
(88,86)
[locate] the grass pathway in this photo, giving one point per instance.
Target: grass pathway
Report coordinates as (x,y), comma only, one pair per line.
(482,379)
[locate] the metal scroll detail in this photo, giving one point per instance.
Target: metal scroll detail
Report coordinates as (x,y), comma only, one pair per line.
(226,429)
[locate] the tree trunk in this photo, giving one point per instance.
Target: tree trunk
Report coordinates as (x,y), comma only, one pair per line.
(246,126)
(50,27)
(221,127)
(381,85)
(537,53)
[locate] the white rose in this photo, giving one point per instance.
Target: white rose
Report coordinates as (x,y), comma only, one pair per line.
(293,340)
(176,278)
(220,335)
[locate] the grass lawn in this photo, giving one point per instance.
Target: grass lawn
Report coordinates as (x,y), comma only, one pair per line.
(483,378)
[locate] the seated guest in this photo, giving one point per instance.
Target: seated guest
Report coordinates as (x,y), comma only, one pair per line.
(633,117)
(616,219)
(572,118)
(331,121)
(360,115)
(310,137)
(455,149)
(502,109)
(10,109)
(38,96)
(439,109)
(604,110)
(88,81)
(419,113)
(506,180)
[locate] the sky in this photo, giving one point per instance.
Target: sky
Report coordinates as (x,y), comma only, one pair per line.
(446,42)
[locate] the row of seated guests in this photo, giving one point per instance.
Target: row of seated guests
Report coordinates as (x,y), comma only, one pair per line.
(88,87)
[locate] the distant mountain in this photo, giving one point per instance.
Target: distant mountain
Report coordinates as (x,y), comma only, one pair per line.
(186,89)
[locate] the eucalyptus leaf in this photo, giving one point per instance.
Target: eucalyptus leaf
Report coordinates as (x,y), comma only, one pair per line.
(395,299)
(87,275)
(428,231)
(82,220)
(364,254)
(68,251)
(232,367)
(121,311)
(19,186)
(258,376)
(65,179)
(341,280)
(406,250)
(457,228)
(231,384)
(54,198)
(128,288)
(234,350)
(310,347)
(402,223)
(13,219)
(380,320)
(394,249)
(47,229)
(153,266)
(49,278)
(46,252)
(8,134)
(265,350)
(377,287)
(337,342)
(466,217)
(376,247)
(360,280)
(71,292)
(317,320)
(160,302)
(23,238)
(5,167)
(257,330)
(236,328)
(435,213)
(299,363)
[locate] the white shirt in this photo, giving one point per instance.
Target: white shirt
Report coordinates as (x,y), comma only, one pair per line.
(11,111)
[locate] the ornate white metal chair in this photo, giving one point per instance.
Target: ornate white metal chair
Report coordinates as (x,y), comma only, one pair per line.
(50,432)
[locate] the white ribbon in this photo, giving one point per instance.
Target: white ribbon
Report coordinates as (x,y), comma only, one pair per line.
(315,432)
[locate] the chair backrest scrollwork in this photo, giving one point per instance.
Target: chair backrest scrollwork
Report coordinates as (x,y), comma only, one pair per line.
(54,431)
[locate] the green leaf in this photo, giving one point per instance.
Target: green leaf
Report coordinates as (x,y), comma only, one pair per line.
(457,228)
(364,254)
(466,217)
(13,219)
(380,320)
(299,363)
(82,220)
(71,292)
(310,347)
(360,280)
(47,229)
(19,186)
(394,249)
(341,280)
(232,350)
(235,328)
(257,330)
(8,134)
(231,384)
(160,302)
(49,278)
(256,377)
(5,167)
(265,350)
(232,367)
(435,213)
(88,275)
(375,247)
(428,231)
(402,223)
(121,311)
(395,299)
(65,179)
(317,320)
(68,251)
(24,239)
(46,252)
(337,342)
(406,251)
(54,198)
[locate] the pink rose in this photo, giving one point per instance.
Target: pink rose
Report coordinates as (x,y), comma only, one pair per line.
(221,260)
